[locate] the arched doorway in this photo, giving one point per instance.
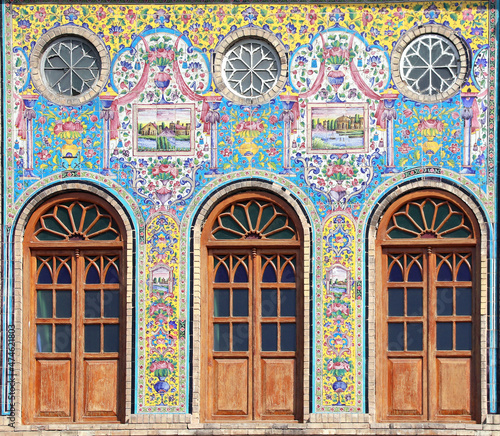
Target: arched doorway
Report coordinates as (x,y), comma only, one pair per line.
(252,311)
(74,316)
(427,310)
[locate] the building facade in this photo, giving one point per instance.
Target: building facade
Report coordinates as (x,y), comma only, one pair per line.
(236,217)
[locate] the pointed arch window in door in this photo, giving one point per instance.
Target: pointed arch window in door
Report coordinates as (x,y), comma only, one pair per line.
(427,311)
(253,316)
(75,348)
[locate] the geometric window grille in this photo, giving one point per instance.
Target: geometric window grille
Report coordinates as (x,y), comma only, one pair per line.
(76,220)
(430,66)
(250,66)
(253,220)
(430,218)
(71,66)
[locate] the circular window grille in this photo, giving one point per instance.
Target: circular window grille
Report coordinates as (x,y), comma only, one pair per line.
(70,66)
(430,63)
(250,67)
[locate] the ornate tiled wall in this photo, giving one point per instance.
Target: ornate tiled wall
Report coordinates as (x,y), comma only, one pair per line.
(339,67)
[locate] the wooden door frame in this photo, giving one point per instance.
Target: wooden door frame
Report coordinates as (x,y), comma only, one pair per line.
(28,314)
(380,244)
(205,246)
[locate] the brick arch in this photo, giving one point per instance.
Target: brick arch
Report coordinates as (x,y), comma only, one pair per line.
(378,216)
(128,228)
(200,217)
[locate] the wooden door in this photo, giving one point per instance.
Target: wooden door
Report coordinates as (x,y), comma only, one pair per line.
(427,343)
(252,359)
(74,346)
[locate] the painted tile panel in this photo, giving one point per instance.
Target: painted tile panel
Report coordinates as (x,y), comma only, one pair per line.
(338,136)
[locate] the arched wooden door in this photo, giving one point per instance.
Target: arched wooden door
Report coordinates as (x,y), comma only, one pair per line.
(252,311)
(74,313)
(427,307)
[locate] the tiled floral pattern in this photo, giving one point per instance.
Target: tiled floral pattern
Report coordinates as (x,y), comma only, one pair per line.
(338,53)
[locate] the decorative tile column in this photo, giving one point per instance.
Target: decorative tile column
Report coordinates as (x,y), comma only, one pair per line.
(213,117)
(468,100)
(107,115)
(288,117)
(29,115)
(388,116)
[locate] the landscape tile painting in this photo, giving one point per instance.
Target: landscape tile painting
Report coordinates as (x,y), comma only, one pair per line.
(337,127)
(165,129)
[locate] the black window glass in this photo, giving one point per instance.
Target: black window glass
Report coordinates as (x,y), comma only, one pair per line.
(111,304)
(269,302)
(240,337)
(463,301)
(270,337)
(396,302)
(63,304)
(221,337)
(396,336)
(444,301)
(288,339)
(287,300)
(241,275)
(111,338)
(92,338)
(92,304)
(240,302)
(63,338)
(414,336)
(414,302)
(221,302)
(44,304)
(463,339)
(44,338)
(444,336)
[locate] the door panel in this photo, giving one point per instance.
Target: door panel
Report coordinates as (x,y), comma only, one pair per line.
(231,386)
(278,386)
(100,393)
(76,340)
(406,386)
(99,330)
(53,391)
(454,391)
(253,324)
(425,334)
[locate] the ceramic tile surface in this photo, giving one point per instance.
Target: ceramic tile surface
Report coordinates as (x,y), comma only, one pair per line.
(161,138)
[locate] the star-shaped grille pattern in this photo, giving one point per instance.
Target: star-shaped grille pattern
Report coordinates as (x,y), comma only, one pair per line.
(251,68)
(430,65)
(71,66)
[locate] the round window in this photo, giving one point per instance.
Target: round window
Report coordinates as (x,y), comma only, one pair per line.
(250,69)
(430,64)
(70,66)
